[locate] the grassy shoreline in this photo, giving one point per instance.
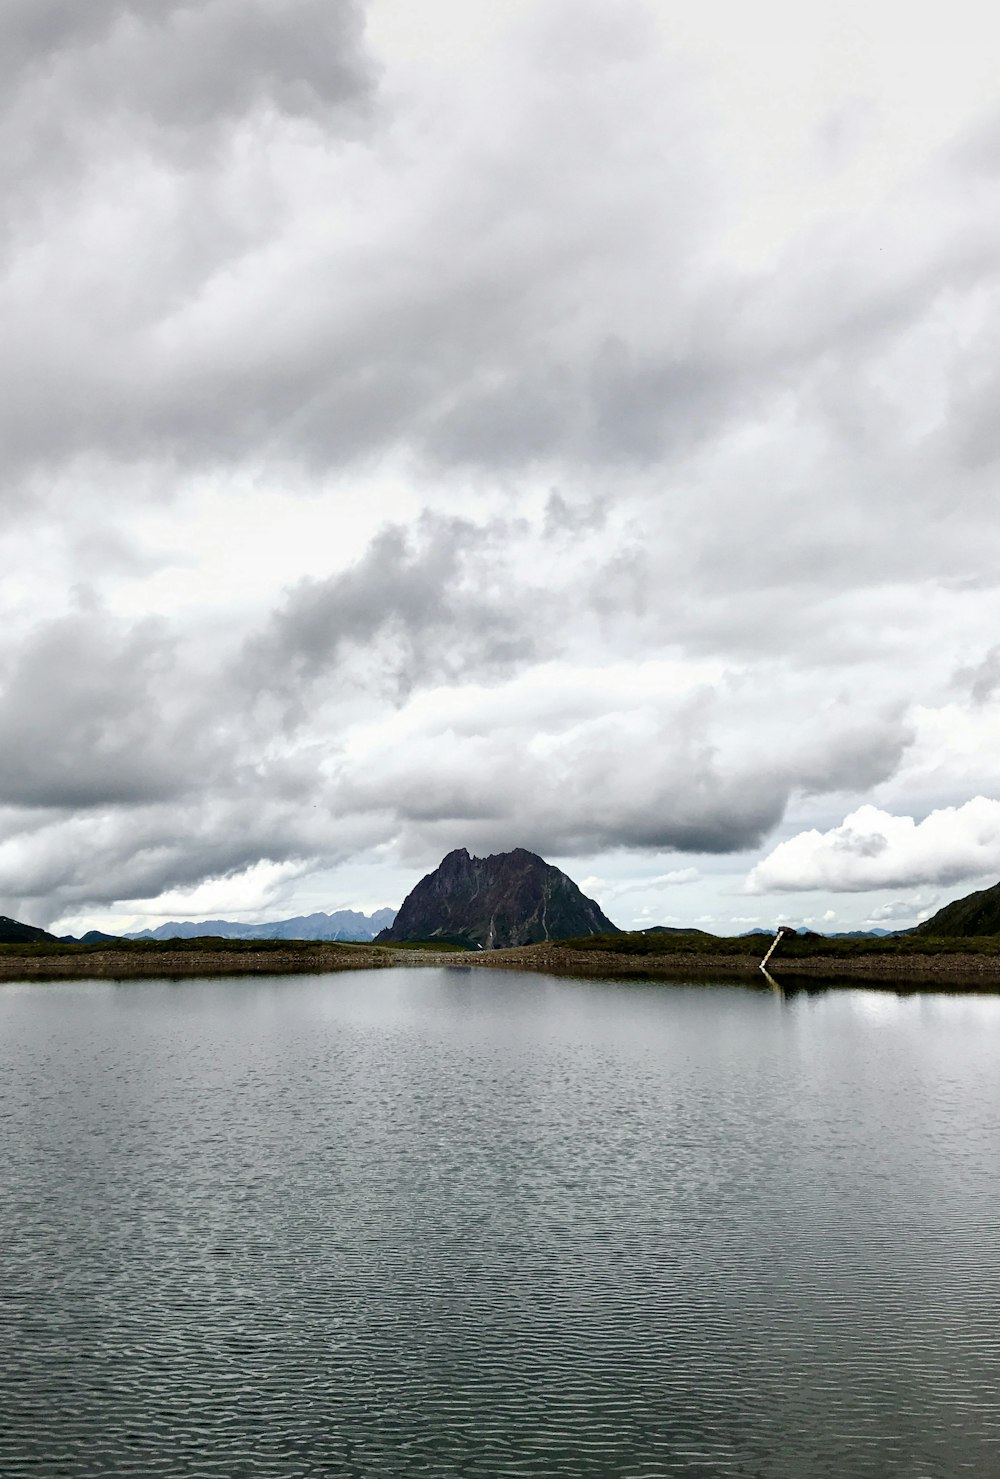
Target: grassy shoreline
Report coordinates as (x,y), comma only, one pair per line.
(972,964)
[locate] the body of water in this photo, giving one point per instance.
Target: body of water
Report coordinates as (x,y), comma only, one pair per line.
(473,1223)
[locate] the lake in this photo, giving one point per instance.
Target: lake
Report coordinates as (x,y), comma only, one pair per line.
(476,1223)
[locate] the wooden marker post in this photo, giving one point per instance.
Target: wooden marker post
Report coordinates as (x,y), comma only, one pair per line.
(783,930)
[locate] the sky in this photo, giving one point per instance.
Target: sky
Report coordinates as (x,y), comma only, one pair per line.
(567,425)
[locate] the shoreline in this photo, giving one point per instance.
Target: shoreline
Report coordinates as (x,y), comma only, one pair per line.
(958,970)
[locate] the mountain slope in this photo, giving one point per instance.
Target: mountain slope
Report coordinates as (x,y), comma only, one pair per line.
(976,914)
(13,932)
(509,898)
(343,924)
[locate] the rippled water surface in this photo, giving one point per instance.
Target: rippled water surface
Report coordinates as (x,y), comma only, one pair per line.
(475,1223)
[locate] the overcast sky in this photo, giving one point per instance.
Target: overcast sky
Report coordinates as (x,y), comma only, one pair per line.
(568,424)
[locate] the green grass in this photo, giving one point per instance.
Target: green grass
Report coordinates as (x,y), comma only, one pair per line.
(635,943)
(208,944)
(791,948)
(216,944)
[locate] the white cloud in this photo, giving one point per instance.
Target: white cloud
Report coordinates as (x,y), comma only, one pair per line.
(902,911)
(872,849)
(675,876)
(607,890)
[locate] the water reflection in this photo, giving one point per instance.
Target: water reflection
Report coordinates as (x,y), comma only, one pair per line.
(771,981)
(473,1223)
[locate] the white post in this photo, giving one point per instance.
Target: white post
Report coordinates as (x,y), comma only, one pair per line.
(783,929)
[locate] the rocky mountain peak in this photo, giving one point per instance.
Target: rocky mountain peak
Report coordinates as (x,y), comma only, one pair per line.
(509,898)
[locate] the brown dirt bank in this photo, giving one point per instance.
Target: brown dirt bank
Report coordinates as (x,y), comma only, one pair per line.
(117,965)
(975,972)
(958,970)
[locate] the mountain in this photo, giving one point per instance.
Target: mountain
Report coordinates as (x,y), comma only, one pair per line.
(805,934)
(976,914)
(13,932)
(876,934)
(671,929)
(93,937)
(510,898)
(343,924)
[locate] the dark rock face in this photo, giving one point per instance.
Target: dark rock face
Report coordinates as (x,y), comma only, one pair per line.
(510,898)
(13,932)
(976,914)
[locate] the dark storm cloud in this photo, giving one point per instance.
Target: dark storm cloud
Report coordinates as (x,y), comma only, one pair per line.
(34,32)
(156,772)
(981,681)
(855,754)
(683,811)
(611,800)
(574,773)
(544,299)
(85,717)
(183,64)
(431,603)
(127,768)
(75,862)
(486,367)
(459,312)
(129,765)
(581,516)
(127,132)
(607,405)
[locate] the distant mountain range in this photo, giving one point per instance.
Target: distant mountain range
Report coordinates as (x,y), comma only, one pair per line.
(509,898)
(875,934)
(343,924)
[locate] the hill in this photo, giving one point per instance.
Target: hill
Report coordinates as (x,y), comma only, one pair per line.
(509,898)
(343,924)
(976,914)
(671,929)
(13,932)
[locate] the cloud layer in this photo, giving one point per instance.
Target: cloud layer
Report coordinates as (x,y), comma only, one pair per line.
(583,440)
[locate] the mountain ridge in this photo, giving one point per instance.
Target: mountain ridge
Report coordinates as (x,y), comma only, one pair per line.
(977,913)
(342,924)
(13,932)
